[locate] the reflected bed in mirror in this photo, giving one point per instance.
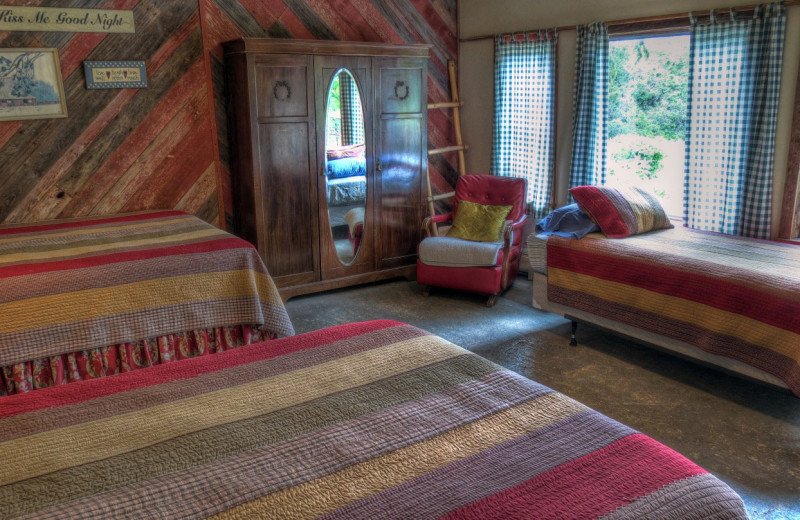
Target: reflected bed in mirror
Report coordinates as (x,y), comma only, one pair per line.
(345,165)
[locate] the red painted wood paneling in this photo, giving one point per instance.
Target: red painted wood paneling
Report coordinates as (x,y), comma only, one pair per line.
(166,146)
(101,159)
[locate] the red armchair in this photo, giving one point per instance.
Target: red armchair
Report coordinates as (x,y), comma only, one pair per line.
(482,267)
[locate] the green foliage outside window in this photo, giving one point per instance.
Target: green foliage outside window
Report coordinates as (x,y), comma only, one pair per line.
(647,99)
(647,156)
(647,92)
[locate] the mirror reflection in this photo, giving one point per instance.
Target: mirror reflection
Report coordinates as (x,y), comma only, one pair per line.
(345,165)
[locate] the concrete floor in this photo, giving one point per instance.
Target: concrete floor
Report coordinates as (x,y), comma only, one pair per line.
(746,434)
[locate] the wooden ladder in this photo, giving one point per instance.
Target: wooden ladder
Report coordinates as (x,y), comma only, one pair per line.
(455,104)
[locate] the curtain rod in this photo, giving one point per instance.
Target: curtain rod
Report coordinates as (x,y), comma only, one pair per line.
(662,18)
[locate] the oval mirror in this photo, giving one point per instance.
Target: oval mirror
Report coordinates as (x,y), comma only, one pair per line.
(345,165)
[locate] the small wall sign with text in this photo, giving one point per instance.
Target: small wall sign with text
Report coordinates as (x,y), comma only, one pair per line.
(13,18)
(115,74)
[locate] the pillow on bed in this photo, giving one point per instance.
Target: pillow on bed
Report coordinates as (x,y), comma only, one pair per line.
(477,222)
(621,212)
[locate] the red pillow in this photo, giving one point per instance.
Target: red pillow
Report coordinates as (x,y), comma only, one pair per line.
(621,212)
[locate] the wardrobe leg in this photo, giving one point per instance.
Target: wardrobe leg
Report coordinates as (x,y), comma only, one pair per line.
(572,341)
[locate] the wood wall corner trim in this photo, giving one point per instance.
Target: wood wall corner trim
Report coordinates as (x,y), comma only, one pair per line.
(790,207)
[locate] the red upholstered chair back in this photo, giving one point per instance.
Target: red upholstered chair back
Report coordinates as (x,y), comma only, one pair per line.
(491,190)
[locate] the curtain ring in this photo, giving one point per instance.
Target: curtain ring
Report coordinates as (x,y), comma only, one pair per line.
(712,16)
(692,18)
(733,14)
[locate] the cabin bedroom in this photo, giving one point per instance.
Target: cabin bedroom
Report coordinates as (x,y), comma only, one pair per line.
(400,259)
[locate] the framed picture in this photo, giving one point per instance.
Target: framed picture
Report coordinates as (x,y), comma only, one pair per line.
(30,85)
(115,74)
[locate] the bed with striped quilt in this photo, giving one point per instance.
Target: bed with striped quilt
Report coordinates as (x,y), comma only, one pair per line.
(368,420)
(734,297)
(89,297)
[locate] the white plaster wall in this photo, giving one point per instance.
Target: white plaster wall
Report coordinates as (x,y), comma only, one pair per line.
(482,17)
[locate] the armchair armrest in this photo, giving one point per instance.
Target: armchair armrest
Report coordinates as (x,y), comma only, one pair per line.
(429,222)
(512,227)
(508,239)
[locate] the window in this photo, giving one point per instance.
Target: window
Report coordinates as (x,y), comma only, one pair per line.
(524,82)
(647,107)
(732,88)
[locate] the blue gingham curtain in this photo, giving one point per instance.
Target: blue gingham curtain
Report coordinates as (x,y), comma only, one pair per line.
(734,85)
(352,115)
(524,112)
(590,111)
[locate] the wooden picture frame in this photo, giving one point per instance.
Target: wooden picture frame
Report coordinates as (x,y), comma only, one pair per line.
(30,84)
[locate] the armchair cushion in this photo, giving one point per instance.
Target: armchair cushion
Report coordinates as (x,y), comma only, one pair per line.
(455,252)
(478,222)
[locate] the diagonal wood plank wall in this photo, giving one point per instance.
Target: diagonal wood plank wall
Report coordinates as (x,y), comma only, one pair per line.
(393,21)
(120,149)
(166,146)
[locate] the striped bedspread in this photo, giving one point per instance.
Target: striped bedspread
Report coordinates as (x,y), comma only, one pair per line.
(369,420)
(75,284)
(731,296)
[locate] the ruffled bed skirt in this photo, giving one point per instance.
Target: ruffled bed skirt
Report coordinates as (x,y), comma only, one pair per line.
(125,357)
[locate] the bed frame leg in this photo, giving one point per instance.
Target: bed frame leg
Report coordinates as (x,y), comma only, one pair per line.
(572,341)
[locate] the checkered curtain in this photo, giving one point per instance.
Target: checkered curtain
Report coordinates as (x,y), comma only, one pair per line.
(524,113)
(734,84)
(590,110)
(352,114)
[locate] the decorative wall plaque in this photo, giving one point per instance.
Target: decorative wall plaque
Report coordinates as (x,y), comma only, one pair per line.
(115,74)
(14,18)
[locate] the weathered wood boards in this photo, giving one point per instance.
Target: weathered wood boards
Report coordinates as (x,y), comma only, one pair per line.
(166,146)
(120,149)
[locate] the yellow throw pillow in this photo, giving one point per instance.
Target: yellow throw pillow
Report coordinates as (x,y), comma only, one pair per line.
(477,222)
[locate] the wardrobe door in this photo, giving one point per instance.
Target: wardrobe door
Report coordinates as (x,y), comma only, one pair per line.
(401,158)
(345,176)
(285,180)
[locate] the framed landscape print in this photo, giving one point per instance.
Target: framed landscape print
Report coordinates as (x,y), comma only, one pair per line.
(30,85)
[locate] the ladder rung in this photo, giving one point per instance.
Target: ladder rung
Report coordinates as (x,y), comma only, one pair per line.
(442,196)
(446,149)
(445,104)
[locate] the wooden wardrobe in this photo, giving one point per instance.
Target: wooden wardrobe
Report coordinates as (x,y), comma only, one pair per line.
(286,201)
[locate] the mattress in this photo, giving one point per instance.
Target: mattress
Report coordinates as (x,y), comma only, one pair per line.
(727,296)
(368,420)
(108,283)
(536,247)
(347,191)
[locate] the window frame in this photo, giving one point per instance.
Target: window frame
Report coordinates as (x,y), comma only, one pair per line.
(789,224)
